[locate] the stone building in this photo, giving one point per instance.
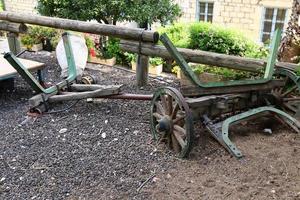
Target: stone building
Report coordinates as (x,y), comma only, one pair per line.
(257,18)
(18,6)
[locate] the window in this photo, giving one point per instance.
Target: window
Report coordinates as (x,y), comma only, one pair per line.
(273,18)
(205,11)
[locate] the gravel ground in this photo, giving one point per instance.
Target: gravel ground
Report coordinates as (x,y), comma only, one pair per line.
(103,150)
(93,150)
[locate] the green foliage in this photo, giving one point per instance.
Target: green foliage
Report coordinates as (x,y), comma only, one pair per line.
(209,37)
(228,74)
(112,11)
(112,48)
(37,34)
(89,42)
(28,41)
(298,70)
(178,34)
(1,5)
(130,57)
(155,61)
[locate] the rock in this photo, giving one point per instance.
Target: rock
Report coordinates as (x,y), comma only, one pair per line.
(103,135)
(135,132)
(155,179)
(273,191)
(63,130)
(268,130)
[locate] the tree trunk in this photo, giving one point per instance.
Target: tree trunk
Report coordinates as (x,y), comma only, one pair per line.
(290,47)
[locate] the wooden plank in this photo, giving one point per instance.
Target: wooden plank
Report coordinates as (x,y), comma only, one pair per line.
(202,57)
(195,91)
(7,71)
(109,90)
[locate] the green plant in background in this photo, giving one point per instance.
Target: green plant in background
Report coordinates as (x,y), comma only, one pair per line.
(1,5)
(130,57)
(228,74)
(178,34)
(39,34)
(209,37)
(155,61)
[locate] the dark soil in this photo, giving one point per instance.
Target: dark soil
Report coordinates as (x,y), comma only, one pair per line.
(105,151)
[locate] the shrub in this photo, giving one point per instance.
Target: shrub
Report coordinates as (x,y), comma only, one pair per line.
(178,34)
(209,37)
(155,61)
(38,34)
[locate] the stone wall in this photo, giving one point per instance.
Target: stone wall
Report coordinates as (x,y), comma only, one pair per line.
(20,6)
(245,15)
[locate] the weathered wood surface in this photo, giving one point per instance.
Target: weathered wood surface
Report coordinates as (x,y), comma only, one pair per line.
(7,71)
(142,70)
(203,57)
(111,90)
(80,92)
(81,26)
(13,27)
(193,91)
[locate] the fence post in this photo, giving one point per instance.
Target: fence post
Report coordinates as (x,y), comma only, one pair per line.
(142,70)
(14,42)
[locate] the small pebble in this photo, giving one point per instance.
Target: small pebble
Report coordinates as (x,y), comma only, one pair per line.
(273,191)
(103,135)
(63,130)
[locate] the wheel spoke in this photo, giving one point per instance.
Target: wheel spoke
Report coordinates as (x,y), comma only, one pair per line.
(175,144)
(164,103)
(179,139)
(291,99)
(289,91)
(176,120)
(175,110)
(290,107)
(157,116)
(159,108)
(181,130)
(170,104)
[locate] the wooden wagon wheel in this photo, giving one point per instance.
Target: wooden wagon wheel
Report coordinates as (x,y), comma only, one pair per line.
(288,96)
(172,121)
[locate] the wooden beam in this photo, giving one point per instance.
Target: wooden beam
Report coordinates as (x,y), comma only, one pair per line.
(84,95)
(13,27)
(203,57)
(81,26)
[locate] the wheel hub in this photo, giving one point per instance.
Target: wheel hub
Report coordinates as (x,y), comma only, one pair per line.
(165,124)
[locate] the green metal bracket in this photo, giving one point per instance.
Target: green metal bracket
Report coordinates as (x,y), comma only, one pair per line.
(221,129)
(36,86)
(269,70)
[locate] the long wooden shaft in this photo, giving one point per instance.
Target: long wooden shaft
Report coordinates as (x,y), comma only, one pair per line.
(13,27)
(81,26)
(203,57)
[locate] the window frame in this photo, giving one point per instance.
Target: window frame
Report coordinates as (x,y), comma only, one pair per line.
(273,21)
(206,14)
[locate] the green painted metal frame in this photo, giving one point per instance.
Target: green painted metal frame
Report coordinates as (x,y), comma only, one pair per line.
(223,138)
(36,86)
(269,70)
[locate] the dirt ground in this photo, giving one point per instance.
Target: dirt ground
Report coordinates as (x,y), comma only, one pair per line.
(103,150)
